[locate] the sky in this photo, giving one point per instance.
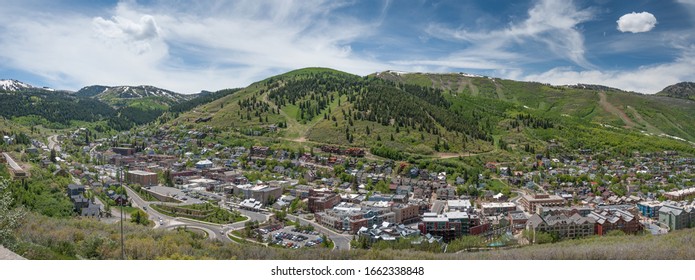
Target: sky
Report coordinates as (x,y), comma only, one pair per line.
(189,46)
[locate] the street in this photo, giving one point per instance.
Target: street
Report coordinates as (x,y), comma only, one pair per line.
(342,241)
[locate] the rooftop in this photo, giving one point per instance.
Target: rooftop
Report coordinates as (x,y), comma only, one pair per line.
(141,173)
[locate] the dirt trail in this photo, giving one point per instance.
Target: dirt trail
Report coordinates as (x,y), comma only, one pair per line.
(455,155)
(641,120)
(614,110)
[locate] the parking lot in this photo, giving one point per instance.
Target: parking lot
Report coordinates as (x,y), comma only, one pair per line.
(289,237)
(176,193)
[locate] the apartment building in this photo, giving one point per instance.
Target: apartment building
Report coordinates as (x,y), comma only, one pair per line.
(141,177)
(563,226)
(532,202)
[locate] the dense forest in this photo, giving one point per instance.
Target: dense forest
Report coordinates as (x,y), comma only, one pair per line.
(53,106)
(404,106)
(200,100)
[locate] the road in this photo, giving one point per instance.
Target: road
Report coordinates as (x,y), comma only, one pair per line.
(341,241)
(215,231)
(53,143)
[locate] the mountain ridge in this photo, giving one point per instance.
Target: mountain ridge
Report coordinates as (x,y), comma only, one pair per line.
(682,90)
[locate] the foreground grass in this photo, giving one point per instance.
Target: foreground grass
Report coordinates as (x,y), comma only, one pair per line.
(41,237)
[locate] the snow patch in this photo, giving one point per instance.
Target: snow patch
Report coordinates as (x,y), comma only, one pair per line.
(14,85)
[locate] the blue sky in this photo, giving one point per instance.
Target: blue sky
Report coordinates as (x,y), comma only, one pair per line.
(188,46)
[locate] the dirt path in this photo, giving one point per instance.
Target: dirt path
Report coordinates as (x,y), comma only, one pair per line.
(646,124)
(614,110)
(455,155)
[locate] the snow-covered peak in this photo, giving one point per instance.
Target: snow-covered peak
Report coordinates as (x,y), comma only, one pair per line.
(13,85)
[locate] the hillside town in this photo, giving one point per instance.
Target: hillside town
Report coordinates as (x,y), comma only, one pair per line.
(339,190)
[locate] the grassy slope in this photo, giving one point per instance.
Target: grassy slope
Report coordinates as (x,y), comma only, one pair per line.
(49,238)
(654,114)
(573,108)
(226,116)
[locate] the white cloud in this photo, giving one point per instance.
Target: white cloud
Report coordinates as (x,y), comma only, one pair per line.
(550,24)
(184,46)
(646,79)
(119,28)
(637,22)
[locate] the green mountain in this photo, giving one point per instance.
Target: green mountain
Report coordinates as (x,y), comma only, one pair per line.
(684,90)
(51,108)
(135,105)
(145,97)
(397,115)
(653,114)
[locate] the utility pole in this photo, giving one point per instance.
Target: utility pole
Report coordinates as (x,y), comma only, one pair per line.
(120,202)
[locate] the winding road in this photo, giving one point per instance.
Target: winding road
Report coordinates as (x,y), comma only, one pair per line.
(214,231)
(53,143)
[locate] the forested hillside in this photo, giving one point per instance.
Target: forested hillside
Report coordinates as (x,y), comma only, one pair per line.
(53,107)
(396,115)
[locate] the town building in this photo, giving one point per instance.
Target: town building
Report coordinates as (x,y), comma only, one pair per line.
(461,205)
(351,220)
(497,208)
(74,189)
(517,219)
(406,213)
(124,151)
(387,232)
(565,210)
(301,191)
(562,226)
(532,202)
(617,219)
(203,164)
(260,151)
(141,177)
(260,193)
(676,216)
(649,209)
(449,225)
(680,194)
(251,205)
(320,201)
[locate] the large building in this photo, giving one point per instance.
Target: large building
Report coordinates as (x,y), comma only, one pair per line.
(320,201)
(532,202)
(680,194)
(677,217)
(124,151)
(496,208)
(461,205)
(353,220)
(617,219)
(260,193)
(649,209)
(565,210)
(406,213)
(449,225)
(517,219)
(562,226)
(141,177)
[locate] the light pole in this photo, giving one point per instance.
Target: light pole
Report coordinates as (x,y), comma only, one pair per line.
(122,201)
